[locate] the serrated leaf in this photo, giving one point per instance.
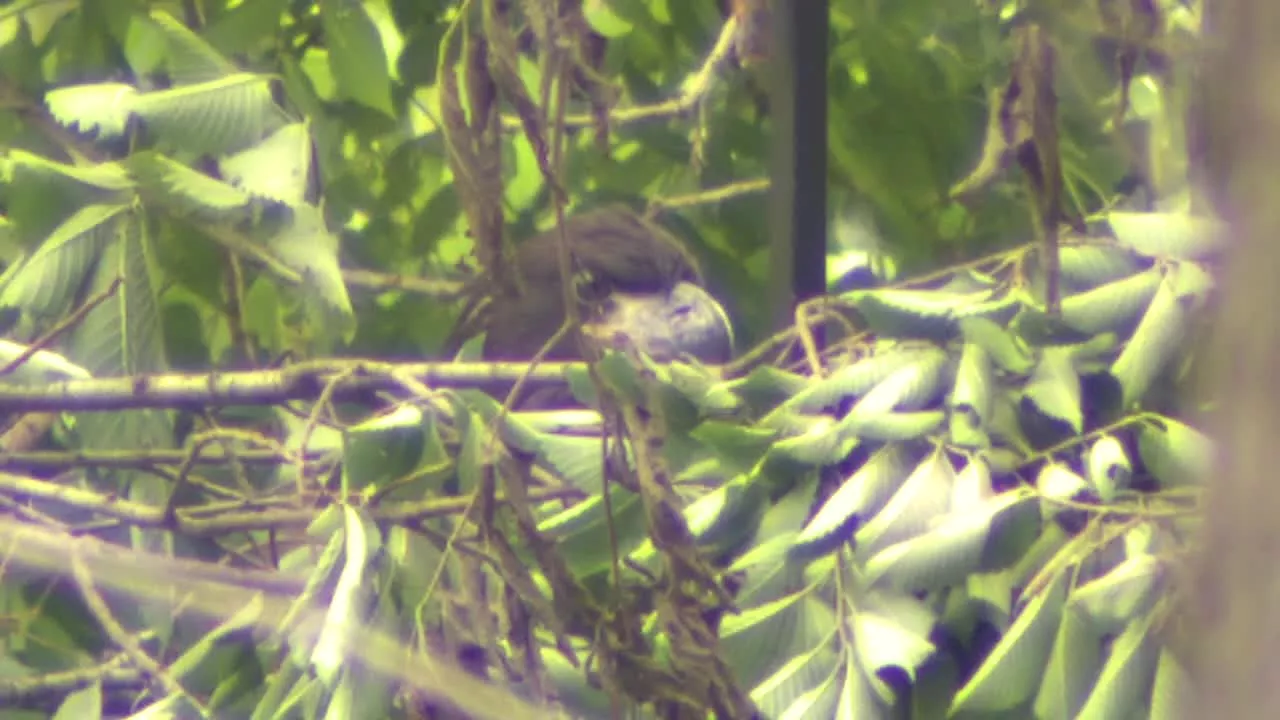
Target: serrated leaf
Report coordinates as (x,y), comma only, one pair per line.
(214,117)
(1168,235)
(823,441)
(190,59)
(921,499)
(123,336)
(861,495)
(46,283)
(188,192)
(1093,264)
(849,381)
(277,168)
(1054,389)
(894,426)
(1112,307)
(1174,453)
(1152,345)
(104,107)
(908,388)
(961,544)
(927,314)
(1109,467)
(1012,672)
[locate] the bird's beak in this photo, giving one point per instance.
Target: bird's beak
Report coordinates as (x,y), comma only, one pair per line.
(687,320)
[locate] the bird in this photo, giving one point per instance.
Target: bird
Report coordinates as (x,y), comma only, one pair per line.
(635,284)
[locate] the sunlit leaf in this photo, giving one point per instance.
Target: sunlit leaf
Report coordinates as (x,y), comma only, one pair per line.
(1123,684)
(1054,389)
(861,495)
(1152,345)
(1176,454)
(1168,235)
(1108,467)
(1013,671)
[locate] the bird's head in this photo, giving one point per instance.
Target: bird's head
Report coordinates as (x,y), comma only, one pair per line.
(633,282)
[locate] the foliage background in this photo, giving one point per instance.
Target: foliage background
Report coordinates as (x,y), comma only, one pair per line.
(379,235)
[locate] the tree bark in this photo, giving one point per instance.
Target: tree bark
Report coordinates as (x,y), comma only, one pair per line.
(1236,649)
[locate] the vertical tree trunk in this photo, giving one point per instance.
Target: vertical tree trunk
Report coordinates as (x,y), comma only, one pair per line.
(1236,652)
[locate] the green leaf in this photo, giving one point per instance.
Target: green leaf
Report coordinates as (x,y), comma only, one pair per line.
(46,284)
(821,441)
(1177,455)
(906,388)
(1013,671)
(928,314)
(891,631)
(793,680)
(602,18)
(352,596)
(183,191)
(921,499)
(970,401)
(308,247)
(1075,662)
(1152,345)
(277,168)
(860,496)
(189,57)
(383,449)
(894,426)
(214,117)
(1054,389)
(1004,348)
(1170,694)
(357,57)
(1112,307)
(105,108)
(82,704)
(819,701)
(1124,594)
(1090,265)
(974,540)
(1122,687)
(1108,467)
(852,380)
(584,533)
(1179,236)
